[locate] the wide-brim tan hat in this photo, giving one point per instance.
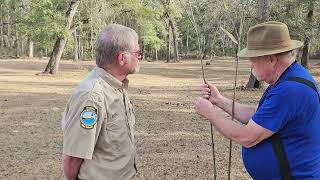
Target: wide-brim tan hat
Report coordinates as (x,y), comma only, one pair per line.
(268,38)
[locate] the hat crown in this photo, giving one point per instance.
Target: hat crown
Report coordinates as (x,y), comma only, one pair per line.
(269,35)
(268,38)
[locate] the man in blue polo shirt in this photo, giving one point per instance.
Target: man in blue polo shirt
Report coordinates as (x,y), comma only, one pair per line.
(281,136)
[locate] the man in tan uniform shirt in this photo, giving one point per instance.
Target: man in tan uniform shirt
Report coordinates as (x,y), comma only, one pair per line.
(99,117)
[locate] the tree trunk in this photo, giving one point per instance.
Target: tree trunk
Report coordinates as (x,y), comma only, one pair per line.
(205,52)
(168,44)
(305,53)
(75,47)
(199,46)
(253,82)
(30,48)
(187,43)
(143,51)
(263,15)
(22,47)
(212,45)
(156,53)
(91,42)
(174,38)
(91,30)
(1,31)
(263,10)
(53,64)
(8,30)
(306,47)
(207,43)
(79,43)
(81,50)
(16,41)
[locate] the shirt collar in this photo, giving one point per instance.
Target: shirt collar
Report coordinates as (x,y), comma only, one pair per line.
(111,80)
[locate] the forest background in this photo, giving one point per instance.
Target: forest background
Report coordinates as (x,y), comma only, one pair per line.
(172,141)
(169,30)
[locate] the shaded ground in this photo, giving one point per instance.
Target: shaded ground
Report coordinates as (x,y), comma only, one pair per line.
(173,142)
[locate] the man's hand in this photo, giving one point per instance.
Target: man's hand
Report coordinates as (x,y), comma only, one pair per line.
(210,92)
(204,107)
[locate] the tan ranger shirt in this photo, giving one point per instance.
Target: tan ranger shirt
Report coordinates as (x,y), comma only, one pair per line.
(98,127)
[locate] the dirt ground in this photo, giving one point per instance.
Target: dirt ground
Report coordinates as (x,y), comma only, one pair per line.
(172,141)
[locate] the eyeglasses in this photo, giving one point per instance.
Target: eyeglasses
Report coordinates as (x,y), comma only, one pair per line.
(138,54)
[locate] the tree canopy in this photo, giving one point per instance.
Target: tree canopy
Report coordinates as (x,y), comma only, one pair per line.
(180,28)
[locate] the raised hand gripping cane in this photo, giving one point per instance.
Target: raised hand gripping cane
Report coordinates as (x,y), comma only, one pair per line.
(211,131)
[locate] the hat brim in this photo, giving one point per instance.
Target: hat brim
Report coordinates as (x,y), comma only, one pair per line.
(247,53)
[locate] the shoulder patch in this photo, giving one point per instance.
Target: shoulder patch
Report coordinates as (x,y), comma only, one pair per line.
(88,117)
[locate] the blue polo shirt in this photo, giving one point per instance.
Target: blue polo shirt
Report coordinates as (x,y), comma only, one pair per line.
(292,110)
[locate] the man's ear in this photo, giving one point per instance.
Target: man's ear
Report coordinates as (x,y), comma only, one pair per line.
(121,59)
(273,59)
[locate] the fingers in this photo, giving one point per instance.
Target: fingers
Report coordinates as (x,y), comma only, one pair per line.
(204,89)
(202,106)
(206,96)
(204,86)
(205,93)
(207,85)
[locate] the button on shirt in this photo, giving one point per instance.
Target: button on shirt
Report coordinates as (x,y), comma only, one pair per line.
(108,147)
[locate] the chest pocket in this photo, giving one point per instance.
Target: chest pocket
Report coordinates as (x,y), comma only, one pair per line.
(115,121)
(116,133)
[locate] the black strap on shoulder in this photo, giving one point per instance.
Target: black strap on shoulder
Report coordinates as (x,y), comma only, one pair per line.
(278,148)
(305,82)
(277,145)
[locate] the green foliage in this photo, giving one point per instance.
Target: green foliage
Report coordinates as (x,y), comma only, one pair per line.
(197,22)
(150,38)
(42,20)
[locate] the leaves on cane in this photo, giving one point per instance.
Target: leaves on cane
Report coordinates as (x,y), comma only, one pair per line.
(229,35)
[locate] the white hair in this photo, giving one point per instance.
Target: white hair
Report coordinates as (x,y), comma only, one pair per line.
(111,41)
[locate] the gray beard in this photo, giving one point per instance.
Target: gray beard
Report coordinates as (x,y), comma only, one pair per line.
(254,73)
(135,70)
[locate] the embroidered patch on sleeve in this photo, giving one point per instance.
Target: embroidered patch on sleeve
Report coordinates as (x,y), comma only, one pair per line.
(88,117)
